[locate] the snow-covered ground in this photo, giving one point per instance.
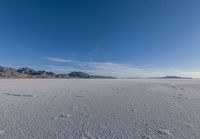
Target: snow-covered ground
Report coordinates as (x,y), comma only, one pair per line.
(99,109)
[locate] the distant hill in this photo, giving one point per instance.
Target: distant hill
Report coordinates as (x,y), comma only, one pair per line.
(10,72)
(36,74)
(25,72)
(79,75)
(173,77)
(85,75)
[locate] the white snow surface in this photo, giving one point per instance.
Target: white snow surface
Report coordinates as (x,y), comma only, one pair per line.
(99,109)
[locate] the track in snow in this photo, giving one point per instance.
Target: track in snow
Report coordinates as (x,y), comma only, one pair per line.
(99,109)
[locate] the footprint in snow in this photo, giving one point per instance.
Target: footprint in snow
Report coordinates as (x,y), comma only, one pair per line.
(187,98)
(18,95)
(189,125)
(147,105)
(133,110)
(86,115)
(62,116)
(181,96)
(65,116)
(165,132)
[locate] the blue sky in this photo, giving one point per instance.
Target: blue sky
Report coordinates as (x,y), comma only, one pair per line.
(124,38)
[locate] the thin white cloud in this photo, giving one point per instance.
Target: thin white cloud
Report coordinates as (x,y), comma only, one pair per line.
(54,59)
(100,68)
(113,69)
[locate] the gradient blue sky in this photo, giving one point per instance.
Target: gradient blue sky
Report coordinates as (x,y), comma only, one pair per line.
(125,38)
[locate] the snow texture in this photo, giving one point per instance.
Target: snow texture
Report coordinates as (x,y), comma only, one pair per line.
(99,109)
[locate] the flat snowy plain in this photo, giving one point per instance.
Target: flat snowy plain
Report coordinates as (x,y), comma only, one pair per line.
(99,109)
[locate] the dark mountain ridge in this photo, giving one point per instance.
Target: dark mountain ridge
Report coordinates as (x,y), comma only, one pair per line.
(174,77)
(170,77)
(26,72)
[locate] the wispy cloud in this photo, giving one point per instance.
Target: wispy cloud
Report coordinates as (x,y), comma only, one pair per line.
(54,59)
(100,68)
(113,69)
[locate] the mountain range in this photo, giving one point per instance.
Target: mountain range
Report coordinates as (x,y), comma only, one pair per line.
(6,72)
